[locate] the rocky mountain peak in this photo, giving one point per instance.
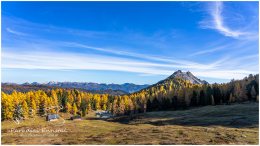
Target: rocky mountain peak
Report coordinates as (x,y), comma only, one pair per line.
(187,76)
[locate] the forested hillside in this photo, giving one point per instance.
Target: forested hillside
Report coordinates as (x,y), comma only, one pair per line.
(170,94)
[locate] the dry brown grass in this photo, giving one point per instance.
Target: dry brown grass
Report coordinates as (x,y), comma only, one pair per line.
(232,124)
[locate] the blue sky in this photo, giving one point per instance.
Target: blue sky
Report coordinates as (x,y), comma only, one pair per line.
(135,42)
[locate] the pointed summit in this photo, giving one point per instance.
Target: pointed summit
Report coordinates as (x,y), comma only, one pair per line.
(187,76)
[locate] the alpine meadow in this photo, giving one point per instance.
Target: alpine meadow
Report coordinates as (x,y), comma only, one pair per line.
(130,73)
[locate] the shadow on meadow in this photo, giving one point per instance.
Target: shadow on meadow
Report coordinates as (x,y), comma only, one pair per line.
(234,116)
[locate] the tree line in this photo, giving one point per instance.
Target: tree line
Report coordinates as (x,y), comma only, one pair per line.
(170,94)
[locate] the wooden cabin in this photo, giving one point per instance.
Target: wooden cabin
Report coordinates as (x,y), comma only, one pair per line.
(52,117)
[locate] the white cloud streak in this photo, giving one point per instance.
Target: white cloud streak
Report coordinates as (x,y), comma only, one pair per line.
(173,62)
(42,57)
(15,32)
(205,51)
(219,22)
(75,61)
(224,46)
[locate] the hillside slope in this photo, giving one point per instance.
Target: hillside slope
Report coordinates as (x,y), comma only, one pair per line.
(182,90)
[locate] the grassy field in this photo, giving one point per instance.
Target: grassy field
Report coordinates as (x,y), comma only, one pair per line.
(222,124)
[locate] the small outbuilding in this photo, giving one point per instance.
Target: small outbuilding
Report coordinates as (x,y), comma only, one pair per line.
(103,114)
(52,117)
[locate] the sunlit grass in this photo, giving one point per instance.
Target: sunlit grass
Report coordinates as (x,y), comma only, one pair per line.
(232,124)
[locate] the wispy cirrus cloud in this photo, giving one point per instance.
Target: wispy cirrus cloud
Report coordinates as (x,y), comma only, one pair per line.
(180,63)
(121,58)
(57,48)
(15,32)
(218,22)
(77,61)
(240,29)
(40,31)
(224,46)
(205,51)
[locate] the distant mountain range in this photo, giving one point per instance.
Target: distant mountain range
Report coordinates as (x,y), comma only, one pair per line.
(113,89)
(116,89)
(10,87)
(126,87)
